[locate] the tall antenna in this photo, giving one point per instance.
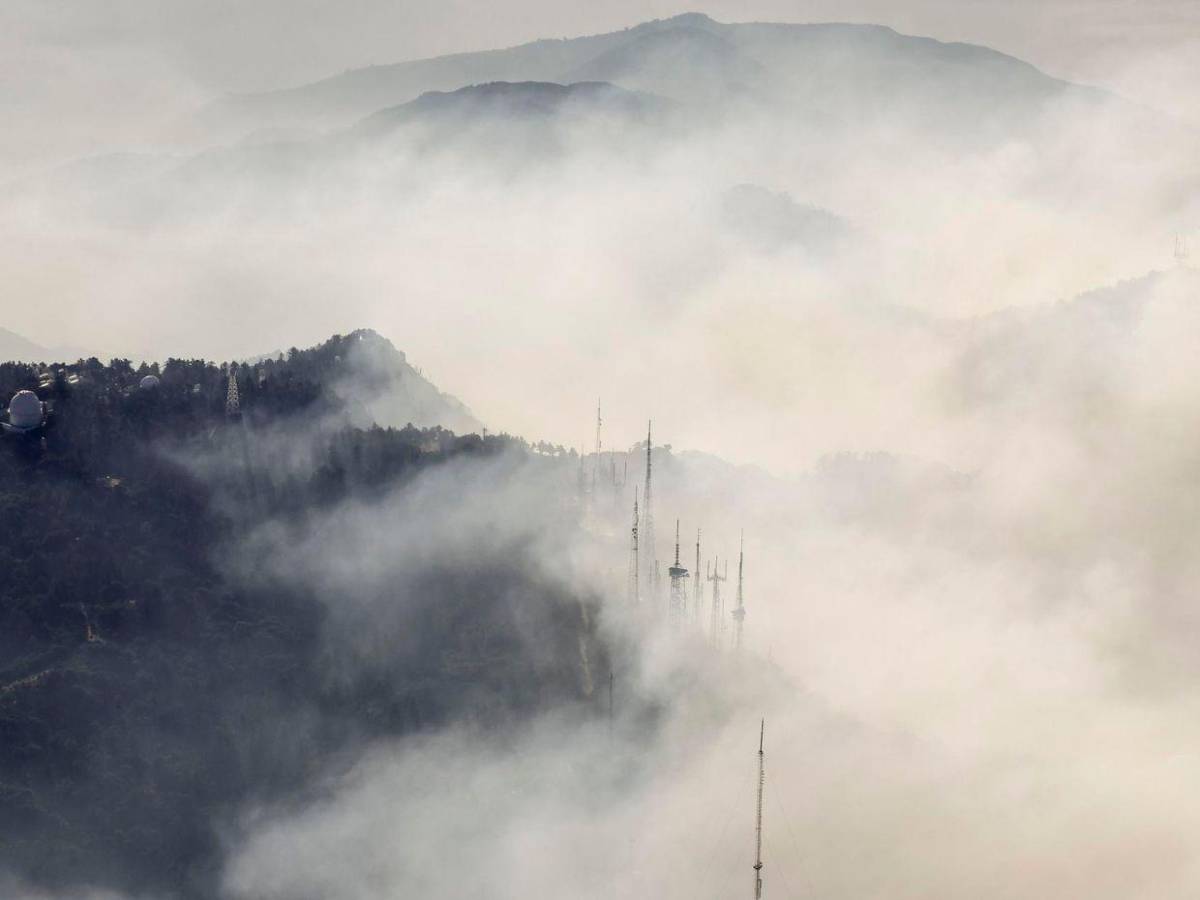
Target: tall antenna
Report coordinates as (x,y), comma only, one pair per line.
(758,863)
(715,624)
(649,553)
(696,589)
(739,614)
(724,624)
(596,462)
(233,404)
(633,553)
(678,601)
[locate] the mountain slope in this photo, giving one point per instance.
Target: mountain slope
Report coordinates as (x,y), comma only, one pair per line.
(202,614)
(15,347)
(509,102)
(499,127)
(691,59)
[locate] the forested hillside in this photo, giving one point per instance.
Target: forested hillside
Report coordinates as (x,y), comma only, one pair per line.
(150,691)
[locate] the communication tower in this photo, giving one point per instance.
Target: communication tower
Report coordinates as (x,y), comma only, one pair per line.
(646,536)
(633,554)
(677,611)
(716,622)
(739,613)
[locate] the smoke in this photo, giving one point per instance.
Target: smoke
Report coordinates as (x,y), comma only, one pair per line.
(962,673)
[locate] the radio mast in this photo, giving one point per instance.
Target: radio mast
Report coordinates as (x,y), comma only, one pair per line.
(633,553)
(716,626)
(646,538)
(739,613)
(758,863)
(678,601)
(596,461)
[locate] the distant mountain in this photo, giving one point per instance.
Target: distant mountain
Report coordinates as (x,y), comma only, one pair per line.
(15,348)
(514,102)
(510,125)
(505,127)
(686,61)
(839,71)
(1076,354)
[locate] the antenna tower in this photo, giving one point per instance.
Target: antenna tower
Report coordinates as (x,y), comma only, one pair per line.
(739,614)
(596,462)
(715,624)
(677,610)
(633,553)
(696,588)
(758,863)
(233,405)
(649,553)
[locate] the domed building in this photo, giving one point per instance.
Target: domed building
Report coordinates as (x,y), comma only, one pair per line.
(25,411)
(149,383)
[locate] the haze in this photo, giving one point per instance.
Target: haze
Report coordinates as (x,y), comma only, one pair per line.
(920,317)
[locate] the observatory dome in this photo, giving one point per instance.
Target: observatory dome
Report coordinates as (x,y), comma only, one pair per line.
(25,410)
(148,383)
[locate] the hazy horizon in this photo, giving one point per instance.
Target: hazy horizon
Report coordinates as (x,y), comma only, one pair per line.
(139,64)
(178,60)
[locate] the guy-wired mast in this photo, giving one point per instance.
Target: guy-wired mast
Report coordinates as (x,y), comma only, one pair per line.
(596,460)
(646,538)
(758,863)
(716,625)
(678,601)
(739,613)
(633,553)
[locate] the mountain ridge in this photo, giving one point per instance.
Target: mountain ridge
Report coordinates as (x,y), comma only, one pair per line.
(537,99)
(878,58)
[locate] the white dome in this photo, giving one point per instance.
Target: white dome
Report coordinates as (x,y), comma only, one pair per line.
(25,410)
(150,381)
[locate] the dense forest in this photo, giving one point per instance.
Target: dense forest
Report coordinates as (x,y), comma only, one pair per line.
(146,696)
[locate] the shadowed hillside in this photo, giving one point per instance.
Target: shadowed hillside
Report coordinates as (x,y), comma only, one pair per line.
(162,668)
